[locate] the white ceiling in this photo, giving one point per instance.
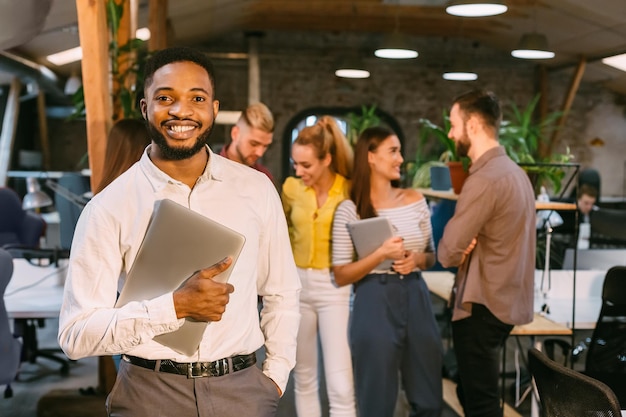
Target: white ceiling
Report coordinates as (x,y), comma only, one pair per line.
(575,28)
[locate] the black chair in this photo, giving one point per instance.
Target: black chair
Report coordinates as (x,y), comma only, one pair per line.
(606,351)
(606,358)
(564,392)
(18,226)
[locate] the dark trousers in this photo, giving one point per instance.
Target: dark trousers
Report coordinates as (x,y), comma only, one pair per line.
(393,331)
(478,342)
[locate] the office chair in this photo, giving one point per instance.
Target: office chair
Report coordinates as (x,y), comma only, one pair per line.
(606,352)
(564,392)
(10,347)
(18,226)
(606,358)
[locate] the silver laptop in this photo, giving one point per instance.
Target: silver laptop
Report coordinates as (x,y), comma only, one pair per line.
(178,243)
(367,236)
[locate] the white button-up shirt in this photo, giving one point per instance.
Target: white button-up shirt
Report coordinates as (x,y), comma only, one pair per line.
(107,238)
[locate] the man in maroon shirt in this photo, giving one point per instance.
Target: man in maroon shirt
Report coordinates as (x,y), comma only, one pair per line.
(491,239)
(250,137)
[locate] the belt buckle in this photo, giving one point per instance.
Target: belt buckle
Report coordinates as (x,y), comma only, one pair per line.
(194,370)
(221,367)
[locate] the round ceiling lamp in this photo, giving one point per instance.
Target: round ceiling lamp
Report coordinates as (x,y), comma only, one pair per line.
(533,46)
(352,67)
(395,46)
(475,8)
(460,76)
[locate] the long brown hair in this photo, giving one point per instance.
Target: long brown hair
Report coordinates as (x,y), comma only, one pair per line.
(126,142)
(327,138)
(369,140)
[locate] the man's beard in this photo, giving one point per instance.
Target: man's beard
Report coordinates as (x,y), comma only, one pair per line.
(177,153)
(463,145)
(243,158)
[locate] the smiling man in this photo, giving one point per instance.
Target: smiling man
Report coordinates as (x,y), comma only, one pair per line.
(220,378)
(250,137)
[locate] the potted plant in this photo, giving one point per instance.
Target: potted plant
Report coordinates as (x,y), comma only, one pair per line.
(521,137)
(458,166)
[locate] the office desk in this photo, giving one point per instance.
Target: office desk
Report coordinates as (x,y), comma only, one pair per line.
(558,297)
(440,283)
(450,195)
(35,293)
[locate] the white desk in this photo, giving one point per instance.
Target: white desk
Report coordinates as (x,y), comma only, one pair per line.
(34,294)
(557,294)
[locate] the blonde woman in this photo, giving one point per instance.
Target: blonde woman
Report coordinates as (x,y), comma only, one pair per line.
(322,159)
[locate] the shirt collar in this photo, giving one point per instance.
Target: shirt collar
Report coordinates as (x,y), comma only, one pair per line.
(486,157)
(213,170)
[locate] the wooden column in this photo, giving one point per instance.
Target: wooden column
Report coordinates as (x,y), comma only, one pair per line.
(9,125)
(254,71)
(94,40)
(569,99)
(157,23)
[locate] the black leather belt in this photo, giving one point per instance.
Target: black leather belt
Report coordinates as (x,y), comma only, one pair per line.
(195,369)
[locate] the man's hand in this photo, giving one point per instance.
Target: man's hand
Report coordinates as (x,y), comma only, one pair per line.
(201,298)
(468,250)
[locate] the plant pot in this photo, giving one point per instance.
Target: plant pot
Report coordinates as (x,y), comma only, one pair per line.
(458,175)
(440,178)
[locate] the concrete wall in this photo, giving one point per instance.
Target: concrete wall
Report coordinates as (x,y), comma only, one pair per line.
(297,72)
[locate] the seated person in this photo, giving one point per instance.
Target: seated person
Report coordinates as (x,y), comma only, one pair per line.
(587,197)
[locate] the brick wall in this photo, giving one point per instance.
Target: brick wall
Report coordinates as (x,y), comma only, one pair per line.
(297,72)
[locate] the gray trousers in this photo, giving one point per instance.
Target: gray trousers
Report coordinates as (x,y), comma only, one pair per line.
(140,392)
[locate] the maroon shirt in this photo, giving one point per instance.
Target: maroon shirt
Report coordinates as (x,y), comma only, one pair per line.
(256,166)
(497,207)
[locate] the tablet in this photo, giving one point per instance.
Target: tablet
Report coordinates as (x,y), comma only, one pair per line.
(178,243)
(368,235)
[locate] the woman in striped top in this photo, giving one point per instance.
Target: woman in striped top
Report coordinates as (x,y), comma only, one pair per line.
(322,159)
(392,326)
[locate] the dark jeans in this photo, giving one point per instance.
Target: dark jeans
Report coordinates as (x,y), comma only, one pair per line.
(393,330)
(478,342)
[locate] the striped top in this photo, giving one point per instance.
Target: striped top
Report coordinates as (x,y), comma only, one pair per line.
(412,222)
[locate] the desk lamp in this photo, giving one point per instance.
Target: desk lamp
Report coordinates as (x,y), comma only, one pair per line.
(35,198)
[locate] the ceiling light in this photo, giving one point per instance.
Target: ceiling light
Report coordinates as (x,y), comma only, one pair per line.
(460,76)
(76,54)
(67,56)
(352,67)
(475,8)
(395,46)
(616,61)
(533,46)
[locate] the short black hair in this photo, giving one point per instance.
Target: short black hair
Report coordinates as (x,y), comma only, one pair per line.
(167,56)
(483,103)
